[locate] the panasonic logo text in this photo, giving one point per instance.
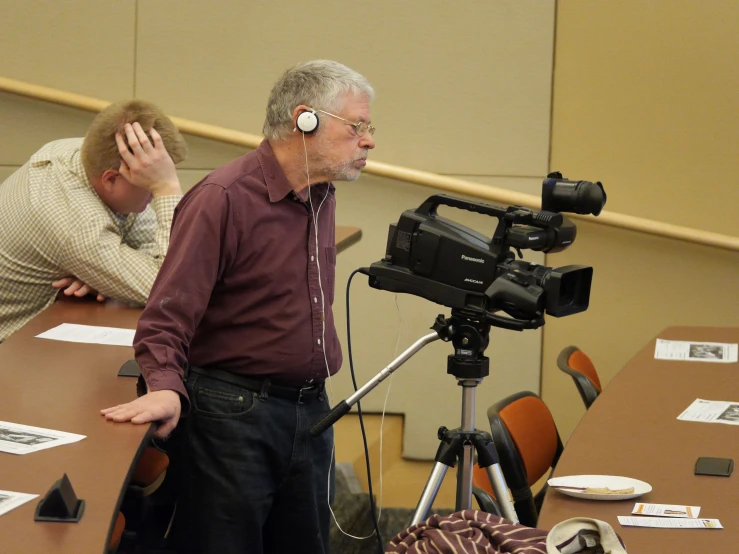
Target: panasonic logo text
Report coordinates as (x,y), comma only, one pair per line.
(477,260)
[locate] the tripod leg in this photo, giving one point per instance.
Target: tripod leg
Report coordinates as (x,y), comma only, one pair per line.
(500,488)
(429,493)
(464,479)
(446,456)
(487,457)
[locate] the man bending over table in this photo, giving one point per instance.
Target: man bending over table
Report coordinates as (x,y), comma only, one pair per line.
(90,216)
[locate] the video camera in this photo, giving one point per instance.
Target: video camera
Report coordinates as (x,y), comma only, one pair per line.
(450,264)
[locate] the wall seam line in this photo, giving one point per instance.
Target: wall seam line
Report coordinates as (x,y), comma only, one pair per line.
(135,44)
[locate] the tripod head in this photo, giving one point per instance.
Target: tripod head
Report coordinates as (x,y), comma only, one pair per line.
(470,336)
(469,333)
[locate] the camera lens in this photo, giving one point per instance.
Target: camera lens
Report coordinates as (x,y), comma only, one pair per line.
(568,289)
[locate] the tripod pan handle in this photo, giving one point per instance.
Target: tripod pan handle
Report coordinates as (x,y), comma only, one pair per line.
(334,415)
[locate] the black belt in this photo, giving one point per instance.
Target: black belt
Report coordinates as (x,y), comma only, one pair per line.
(265,387)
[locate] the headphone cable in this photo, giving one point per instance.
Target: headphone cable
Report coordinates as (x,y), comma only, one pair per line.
(375,523)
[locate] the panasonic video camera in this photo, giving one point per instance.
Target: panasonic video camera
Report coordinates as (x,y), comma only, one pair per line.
(445,262)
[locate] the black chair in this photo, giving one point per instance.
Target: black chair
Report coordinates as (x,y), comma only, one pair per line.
(577,365)
(528,446)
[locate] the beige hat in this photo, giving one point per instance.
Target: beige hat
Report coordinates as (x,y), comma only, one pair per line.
(581,534)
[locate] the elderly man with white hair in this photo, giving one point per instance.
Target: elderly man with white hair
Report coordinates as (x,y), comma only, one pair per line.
(238,335)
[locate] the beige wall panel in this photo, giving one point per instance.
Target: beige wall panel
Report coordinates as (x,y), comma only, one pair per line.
(29,124)
(421,388)
(527,185)
(26,125)
(190,177)
(462,87)
(645,99)
(84,46)
(472,81)
(641,285)
(209,154)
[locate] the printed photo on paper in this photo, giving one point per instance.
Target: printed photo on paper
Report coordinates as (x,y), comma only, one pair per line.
(712,411)
(11,500)
(24,439)
(696,351)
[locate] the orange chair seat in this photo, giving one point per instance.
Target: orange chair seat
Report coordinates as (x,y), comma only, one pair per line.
(150,468)
(118,527)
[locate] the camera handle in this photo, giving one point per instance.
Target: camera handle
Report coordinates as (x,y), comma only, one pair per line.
(469,366)
(508,216)
(428,208)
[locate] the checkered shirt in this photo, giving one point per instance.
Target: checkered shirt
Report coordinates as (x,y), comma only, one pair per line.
(54,225)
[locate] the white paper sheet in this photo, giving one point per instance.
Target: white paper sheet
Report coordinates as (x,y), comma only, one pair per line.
(688,351)
(24,439)
(10,500)
(669,523)
(91,334)
(665,510)
(712,411)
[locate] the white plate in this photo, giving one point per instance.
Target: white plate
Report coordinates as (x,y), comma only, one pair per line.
(611,481)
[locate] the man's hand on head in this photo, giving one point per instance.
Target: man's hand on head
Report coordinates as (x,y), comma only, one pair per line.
(161,406)
(74,287)
(146,165)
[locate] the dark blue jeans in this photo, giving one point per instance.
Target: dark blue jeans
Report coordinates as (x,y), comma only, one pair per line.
(254,480)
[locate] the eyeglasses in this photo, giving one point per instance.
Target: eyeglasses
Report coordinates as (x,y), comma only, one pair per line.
(360,127)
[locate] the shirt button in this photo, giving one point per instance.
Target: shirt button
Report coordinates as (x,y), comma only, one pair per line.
(315,300)
(311,258)
(319,341)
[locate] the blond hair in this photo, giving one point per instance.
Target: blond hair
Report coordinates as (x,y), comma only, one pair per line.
(99,149)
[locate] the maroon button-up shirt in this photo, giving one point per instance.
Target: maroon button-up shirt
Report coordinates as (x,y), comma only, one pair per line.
(244,286)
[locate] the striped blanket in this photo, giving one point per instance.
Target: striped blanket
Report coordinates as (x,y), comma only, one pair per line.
(469,532)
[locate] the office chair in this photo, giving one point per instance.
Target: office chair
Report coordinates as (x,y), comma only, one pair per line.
(150,470)
(528,446)
(484,496)
(115,536)
(576,363)
(140,503)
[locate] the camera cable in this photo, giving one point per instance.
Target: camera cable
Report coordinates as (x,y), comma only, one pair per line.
(374,514)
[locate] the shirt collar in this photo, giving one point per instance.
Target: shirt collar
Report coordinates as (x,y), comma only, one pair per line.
(278,187)
(76,167)
(65,152)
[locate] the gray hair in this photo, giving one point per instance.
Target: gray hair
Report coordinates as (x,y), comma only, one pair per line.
(320,84)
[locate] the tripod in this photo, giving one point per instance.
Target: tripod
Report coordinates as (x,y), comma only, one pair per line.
(470,336)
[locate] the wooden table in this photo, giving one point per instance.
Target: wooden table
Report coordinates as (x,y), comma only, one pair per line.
(63,385)
(632,430)
(346,236)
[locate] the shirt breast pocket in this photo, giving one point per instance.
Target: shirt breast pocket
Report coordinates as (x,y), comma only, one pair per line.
(329,253)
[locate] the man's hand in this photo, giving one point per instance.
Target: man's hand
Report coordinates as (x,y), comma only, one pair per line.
(145,165)
(73,286)
(162,406)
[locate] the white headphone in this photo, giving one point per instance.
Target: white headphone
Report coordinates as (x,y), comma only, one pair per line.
(307,121)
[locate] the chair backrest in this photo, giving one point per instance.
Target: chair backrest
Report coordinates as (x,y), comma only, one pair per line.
(576,363)
(528,447)
(115,536)
(150,470)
